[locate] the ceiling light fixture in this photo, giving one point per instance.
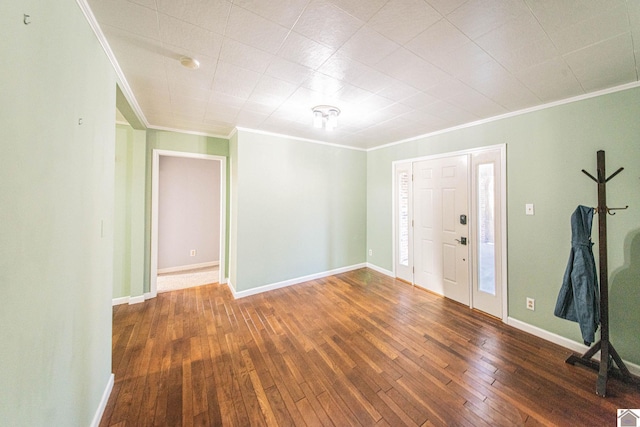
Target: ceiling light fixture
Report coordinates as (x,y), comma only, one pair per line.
(327,115)
(190,63)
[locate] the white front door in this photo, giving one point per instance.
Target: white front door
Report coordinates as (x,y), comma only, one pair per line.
(441,233)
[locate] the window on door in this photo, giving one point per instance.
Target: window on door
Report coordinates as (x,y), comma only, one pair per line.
(404,180)
(486,229)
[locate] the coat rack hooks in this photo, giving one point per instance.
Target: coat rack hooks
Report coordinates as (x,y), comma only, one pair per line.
(608,354)
(616,209)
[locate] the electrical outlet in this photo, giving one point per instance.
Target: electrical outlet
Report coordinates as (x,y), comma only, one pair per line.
(192,253)
(370,252)
(531,304)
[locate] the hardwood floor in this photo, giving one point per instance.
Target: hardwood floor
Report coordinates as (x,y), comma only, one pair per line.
(354,349)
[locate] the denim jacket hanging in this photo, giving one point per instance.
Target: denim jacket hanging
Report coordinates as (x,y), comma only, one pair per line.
(579,297)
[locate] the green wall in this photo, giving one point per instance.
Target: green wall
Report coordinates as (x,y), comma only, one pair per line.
(56,215)
(233,208)
(546,151)
(299,208)
(130,174)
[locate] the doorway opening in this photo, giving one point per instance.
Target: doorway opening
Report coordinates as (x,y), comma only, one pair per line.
(188,205)
(450,226)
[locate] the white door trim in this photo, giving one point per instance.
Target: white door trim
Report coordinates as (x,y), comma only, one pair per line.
(155,186)
(503,224)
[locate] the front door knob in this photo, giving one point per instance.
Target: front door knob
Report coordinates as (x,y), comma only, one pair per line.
(462,240)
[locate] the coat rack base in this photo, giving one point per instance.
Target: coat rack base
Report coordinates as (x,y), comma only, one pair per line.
(605,368)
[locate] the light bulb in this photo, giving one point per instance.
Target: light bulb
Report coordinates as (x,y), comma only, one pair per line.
(332,120)
(317,119)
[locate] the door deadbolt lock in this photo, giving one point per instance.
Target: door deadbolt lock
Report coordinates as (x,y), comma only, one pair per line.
(463,219)
(462,240)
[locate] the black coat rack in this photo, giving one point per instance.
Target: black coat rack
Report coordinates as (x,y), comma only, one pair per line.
(607,352)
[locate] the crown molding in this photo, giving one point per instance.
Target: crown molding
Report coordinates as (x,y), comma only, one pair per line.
(189,132)
(297,138)
(571,100)
(124,85)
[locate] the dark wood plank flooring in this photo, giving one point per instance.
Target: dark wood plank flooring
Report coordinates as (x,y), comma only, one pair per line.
(354,349)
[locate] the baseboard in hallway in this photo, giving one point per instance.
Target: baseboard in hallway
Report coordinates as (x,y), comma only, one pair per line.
(186,279)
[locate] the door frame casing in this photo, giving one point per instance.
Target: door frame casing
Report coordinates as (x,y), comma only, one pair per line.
(155,187)
(502,148)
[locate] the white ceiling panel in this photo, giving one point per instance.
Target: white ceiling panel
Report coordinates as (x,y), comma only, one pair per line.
(245,56)
(397,90)
(408,67)
(151,4)
(250,119)
(446,6)
(235,81)
(368,46)
(551,80)
(419,100)
(439,39)
(519,43)
(478,17)
(284,12)
(210,15)
(361,9)
(402,20)
(327,24)
(603,26)
(288,71)
(477,104)
(189,37)
(554,15)
(463,60)
(605,64)
(252,29)
(304,51)
(395,68)
(127,16)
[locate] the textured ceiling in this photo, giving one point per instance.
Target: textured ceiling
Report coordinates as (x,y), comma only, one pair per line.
(397,69)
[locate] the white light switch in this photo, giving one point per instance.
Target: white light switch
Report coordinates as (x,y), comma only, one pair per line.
(528,208)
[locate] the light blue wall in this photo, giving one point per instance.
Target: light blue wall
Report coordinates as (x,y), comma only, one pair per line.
(56,215)
(546,151)
(299,208)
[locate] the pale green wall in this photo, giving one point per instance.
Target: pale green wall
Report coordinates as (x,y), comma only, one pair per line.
(56,215)
(300,209)
(233,208)
(130,173)
(546,151)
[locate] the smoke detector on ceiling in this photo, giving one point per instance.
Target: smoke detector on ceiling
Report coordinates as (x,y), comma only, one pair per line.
(190,63)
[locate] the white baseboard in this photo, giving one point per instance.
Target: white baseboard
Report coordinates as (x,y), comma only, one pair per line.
(188,267)
(119,301)
(231,287)
(136,300)
(103,402)
(132,300)
(562,341)
(381,270)
(291,282)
